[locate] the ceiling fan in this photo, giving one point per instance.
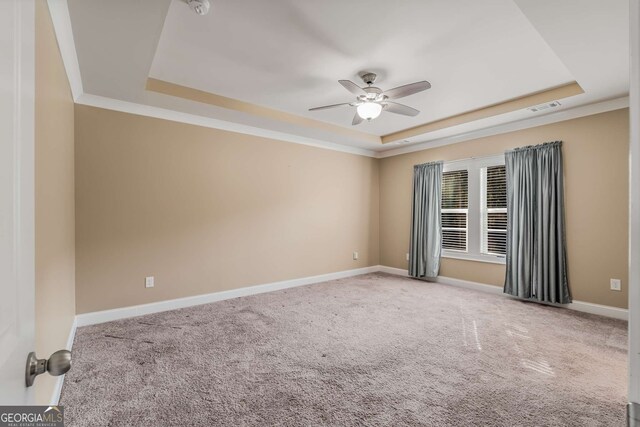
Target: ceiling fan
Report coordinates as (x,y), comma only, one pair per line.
(371,101)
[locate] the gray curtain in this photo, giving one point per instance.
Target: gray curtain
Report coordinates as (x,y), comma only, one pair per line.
(426,227)
(536,248)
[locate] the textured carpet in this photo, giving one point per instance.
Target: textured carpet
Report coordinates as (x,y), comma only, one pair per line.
(374,350)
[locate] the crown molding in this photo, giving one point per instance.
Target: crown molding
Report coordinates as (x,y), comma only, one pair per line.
(197,95)
(175,116)
(172,115)
(559,116)
(514,104)
(59,11)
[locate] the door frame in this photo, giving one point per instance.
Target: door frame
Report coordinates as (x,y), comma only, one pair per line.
(634,214)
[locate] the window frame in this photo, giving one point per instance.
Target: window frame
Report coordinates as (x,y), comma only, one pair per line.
(457,210)
(484,215)
(474,167)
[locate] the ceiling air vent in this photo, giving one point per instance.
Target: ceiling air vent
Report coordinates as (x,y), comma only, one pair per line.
(545,106)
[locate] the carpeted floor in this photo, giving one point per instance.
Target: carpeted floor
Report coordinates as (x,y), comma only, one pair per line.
(372,350)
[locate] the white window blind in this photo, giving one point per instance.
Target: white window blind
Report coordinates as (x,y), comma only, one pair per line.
(494,210)
(474,209)
(455,210)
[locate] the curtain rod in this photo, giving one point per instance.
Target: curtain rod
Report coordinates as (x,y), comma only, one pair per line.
(495,155)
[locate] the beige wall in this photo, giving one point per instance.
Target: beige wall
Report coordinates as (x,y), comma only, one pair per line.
(205,210)
(596,156)
(54,200)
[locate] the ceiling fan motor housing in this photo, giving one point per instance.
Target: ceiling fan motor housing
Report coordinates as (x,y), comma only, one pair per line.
(373,94)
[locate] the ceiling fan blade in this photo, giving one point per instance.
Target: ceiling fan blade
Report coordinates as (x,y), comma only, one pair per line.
(356,119)
(352,87)
(329,106)
(406,90)
(394,107)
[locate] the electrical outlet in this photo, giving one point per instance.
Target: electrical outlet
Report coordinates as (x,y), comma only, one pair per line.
(407,256)
(355,256)
(149,282)
(616,285)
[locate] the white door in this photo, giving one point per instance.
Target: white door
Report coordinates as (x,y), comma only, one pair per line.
(634,219)
(16,197)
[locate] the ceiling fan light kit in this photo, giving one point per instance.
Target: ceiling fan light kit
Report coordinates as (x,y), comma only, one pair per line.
(371,101)
(369,110)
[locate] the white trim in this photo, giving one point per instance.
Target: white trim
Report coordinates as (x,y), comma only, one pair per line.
(468,285)
(176,116)
(155,307)
(97,317)
(474,162)
(55,396)
(479,257)
(17,121)
(475,166)
(559,116)
(59,11)
(585,307)
(602,310)
(634,205)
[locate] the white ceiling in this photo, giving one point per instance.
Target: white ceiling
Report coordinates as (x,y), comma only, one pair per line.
(289,54)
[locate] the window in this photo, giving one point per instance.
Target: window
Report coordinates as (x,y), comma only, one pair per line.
(474,209)
(494,210)
(455,209)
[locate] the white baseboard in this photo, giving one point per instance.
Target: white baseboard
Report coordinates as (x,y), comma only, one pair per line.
(492,289)
(585,307)
(139,310)
(55,396)
(96,317)
(602,310)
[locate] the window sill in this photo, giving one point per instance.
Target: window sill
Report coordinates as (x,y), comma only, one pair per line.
(491,259)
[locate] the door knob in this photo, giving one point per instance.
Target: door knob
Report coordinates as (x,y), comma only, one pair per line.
(58,364)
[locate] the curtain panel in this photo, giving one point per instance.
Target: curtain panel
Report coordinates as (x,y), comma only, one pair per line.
(426,223)
(536,246)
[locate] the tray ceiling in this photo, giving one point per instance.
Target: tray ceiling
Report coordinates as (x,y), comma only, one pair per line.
(287,55)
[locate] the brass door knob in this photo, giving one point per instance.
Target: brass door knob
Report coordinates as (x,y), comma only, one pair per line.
(58,364)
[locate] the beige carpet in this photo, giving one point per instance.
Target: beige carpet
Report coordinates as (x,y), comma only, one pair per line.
(373,350)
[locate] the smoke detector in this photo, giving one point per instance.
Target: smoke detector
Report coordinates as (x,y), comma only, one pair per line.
(201,7)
